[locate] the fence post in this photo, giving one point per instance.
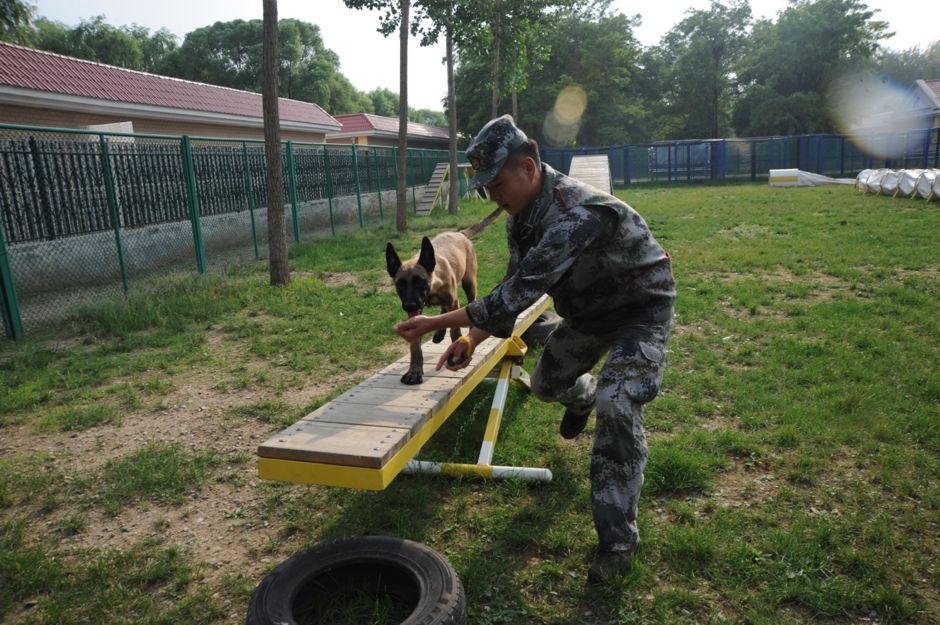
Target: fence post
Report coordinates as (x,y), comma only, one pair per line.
(355,160)
(112,206)
(292,188)
(842,156)
(821,156)
(753,161)
(926,149)
(9,306)
(329,187)
(378,180)
(190,172)
(627,164)
(250,196)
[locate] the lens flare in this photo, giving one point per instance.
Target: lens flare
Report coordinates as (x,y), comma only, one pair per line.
(875,113)
(562,123)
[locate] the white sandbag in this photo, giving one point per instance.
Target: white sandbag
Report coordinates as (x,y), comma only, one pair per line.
(935,188)
(861,180)
(874,180)
(925,184)
(889,182)
(907,184)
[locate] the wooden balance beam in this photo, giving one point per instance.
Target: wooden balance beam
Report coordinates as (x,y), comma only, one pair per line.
(368,435)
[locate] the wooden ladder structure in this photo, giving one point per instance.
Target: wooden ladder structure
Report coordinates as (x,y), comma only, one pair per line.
(435,190)
(368,435)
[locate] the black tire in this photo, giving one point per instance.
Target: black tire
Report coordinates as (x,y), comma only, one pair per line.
(405,572)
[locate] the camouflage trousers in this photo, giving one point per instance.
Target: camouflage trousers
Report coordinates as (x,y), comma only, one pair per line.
(629,378)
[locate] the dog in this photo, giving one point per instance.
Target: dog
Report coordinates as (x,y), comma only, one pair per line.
(430,278)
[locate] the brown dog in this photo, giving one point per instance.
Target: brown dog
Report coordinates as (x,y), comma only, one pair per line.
(431,277)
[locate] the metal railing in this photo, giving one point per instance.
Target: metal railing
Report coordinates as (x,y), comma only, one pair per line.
(84,215)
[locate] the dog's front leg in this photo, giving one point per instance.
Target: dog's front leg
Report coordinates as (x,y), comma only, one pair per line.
(454,332)
(416,368)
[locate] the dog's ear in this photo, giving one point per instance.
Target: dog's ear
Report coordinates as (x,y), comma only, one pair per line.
(426,259)
(392,262)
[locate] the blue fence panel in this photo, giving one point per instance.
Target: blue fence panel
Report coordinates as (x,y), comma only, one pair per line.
(753,158)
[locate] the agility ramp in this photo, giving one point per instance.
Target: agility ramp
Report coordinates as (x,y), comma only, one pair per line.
(435,191)
(800,178)
(368,435)
(593,169)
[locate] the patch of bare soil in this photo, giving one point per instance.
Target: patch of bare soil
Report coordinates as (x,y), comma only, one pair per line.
(744,486)
(222,524)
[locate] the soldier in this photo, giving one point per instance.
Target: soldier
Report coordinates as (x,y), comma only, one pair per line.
(612,284)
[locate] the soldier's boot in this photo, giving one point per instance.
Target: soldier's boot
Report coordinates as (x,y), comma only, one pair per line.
(573,422)
(608,565)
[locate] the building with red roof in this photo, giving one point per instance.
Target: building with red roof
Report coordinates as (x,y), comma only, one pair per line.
(369,129)
(44,89)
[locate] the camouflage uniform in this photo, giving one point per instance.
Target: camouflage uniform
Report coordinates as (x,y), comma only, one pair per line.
(612,283)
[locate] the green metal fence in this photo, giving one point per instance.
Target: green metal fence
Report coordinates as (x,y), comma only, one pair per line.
(87,215)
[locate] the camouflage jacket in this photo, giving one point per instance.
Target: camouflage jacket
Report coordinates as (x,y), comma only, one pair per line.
(591,252)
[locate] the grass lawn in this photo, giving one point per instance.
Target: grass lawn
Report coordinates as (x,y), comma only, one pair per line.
(794,472)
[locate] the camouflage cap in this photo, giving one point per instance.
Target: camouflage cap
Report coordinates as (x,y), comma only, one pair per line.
(489,149)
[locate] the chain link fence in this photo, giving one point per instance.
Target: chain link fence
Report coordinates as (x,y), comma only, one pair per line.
(87,215)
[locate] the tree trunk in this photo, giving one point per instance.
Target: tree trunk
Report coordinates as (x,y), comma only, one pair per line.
(494,109)
(277,237)
(515,105)
(452,124)
(402,195)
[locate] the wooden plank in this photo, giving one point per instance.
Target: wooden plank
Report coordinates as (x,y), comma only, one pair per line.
(394,382)
(592,169)
(342,444)
(404,396)
(390,416)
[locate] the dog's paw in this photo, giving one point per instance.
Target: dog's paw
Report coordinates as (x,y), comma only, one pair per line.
(439,335)
(412,377)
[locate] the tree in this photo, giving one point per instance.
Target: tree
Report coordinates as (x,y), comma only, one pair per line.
(434,18)
(229,54)
(131,47)
(402,190)
(15,16)
(906,66)
(394,16)
(793,63)
(384,102)
(154,48)
(513,35)
(277,237)
(703,49)
(595,65)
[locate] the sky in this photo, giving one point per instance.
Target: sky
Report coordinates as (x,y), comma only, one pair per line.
(370,60)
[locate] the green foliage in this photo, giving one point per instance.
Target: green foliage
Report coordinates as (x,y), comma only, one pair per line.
(791,63)
(132,47)
(906,66)
(14,20)
(702,51)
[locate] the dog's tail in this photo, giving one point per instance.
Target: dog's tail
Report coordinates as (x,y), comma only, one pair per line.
(476,229)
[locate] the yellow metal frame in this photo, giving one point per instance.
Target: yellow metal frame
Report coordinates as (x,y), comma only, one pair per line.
(510,369)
